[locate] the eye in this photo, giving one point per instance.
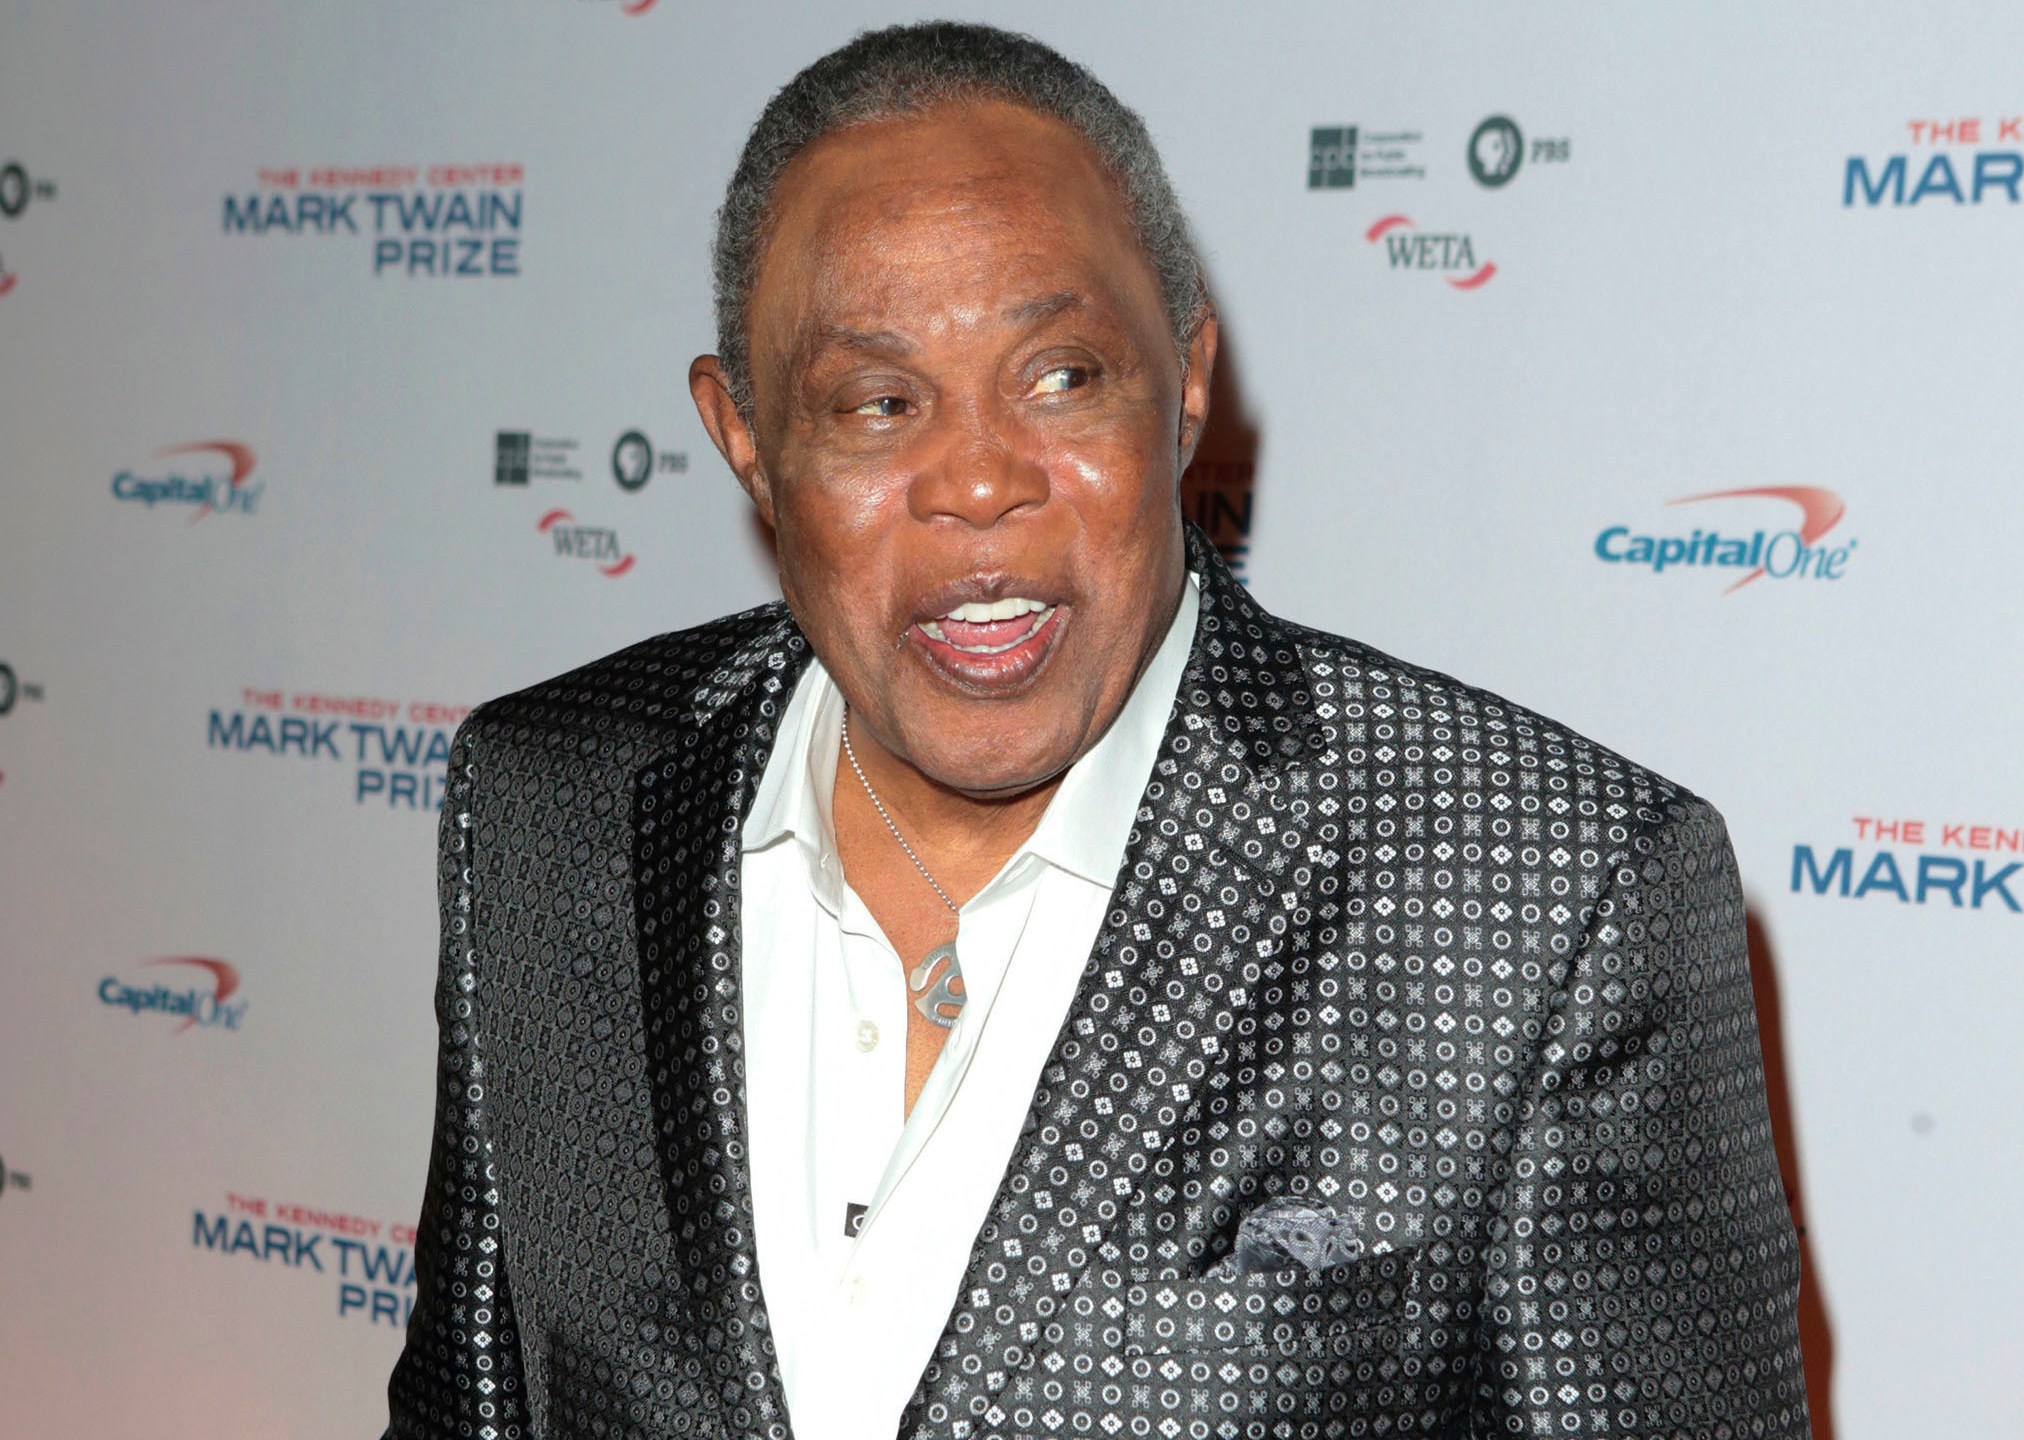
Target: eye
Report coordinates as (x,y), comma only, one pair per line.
(883,407)
(1057,379)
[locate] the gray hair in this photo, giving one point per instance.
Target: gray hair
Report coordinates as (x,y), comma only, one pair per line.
(908,69)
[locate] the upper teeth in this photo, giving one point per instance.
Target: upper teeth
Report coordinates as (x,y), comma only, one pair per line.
(977,611)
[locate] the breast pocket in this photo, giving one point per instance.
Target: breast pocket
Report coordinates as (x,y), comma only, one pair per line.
(1295,1313)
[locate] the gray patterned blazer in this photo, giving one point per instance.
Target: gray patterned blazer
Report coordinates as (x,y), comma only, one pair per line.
(1412,1087)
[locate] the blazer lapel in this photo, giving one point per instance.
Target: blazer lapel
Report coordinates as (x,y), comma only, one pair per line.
(1207,895)
(687,808)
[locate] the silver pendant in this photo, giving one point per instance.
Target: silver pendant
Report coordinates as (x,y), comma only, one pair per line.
(942,1001)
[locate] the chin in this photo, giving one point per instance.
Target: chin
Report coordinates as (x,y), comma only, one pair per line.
(994,766)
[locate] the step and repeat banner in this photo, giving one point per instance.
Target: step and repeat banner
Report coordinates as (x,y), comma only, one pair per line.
(1658,366)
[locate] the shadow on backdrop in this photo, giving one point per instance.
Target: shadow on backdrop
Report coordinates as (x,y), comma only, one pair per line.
(1218,492)
(1816,1335)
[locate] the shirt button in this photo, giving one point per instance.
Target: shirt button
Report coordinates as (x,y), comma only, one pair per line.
(867,1036)
(853,1291)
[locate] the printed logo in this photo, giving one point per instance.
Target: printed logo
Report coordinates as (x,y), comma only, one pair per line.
(397,754)
(1409,248)
(14,690)
(195,1005)
(1958,864)
(212,489)
(434,221)
(13,1179)
(1338,155)
(634,461)
(1331,157)
(372,1261)
(592,543)
(18,190)
(1496,150)
(1944,160)
(1793,554)
(511,457)
(519,456)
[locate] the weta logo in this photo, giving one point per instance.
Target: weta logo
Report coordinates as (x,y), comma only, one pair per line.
(593,543)
(1409,248)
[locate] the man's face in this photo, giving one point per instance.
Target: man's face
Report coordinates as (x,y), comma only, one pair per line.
(970,422)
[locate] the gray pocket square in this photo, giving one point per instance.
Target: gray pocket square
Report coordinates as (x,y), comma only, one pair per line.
(1289,1233)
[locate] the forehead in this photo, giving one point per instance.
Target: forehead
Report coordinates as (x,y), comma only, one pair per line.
(959,207)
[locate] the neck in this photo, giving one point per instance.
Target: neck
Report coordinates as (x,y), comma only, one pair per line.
(963,839)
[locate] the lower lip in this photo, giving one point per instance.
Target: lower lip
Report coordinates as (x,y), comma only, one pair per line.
(1001,671)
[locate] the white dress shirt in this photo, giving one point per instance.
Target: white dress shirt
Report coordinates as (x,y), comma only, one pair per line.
(855,1318)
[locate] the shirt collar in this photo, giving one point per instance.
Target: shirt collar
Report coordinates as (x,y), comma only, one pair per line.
(795,789)
(1090,817)
(1086,824)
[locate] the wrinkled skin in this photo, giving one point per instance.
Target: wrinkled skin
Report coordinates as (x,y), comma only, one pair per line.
(965,387)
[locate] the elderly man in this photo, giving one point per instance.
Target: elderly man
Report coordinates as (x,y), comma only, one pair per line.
(1020,987)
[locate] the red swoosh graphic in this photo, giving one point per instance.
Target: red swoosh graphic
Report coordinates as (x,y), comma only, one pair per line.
(638,7)
(7,282)
(1390,222)
(223,973)
(1820,510)
(240,456)
(617,568)
(1477,280)
(553,517)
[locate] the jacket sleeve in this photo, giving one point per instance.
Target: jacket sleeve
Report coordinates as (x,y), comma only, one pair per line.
(459,1375)
(1641,1275)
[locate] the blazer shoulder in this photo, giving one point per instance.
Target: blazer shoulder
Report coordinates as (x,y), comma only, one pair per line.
(1375,688)
(649,689)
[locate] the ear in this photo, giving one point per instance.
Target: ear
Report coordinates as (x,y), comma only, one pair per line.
(710,388)
(1195,386)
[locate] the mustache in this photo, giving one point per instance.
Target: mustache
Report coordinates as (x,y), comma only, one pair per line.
(983,586)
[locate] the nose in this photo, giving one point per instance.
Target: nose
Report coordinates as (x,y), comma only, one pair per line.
(981,471)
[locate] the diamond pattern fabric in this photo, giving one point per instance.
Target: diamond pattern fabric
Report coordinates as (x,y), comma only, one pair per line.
(1461,988)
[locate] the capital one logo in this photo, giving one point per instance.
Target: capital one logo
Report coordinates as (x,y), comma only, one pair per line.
(1797,552)
(210,490)
(194,1005)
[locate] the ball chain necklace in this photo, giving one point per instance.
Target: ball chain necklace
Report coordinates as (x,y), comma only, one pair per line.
(940,1002)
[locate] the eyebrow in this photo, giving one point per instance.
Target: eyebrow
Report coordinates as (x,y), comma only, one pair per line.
(845,337)
(1045,307)
(826,335)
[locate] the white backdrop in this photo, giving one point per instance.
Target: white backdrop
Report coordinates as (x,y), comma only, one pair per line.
(256,557)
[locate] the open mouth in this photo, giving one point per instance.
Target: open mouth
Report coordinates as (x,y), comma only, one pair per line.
(990,627)
(991,645)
